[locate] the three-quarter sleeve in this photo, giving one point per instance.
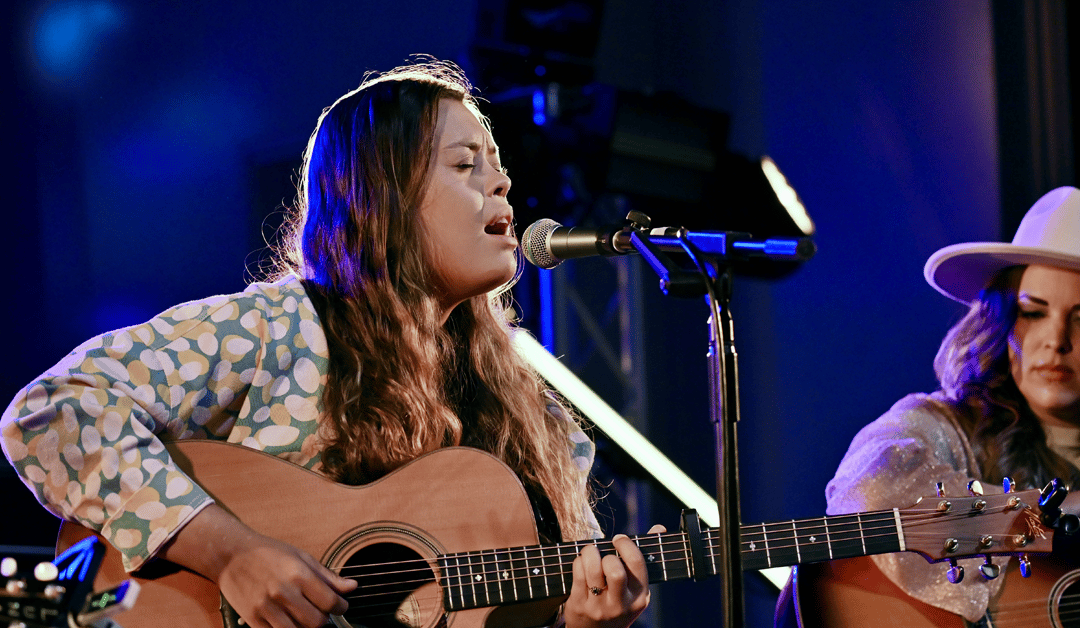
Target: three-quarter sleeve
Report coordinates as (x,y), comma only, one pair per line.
(894,461)
(88,436)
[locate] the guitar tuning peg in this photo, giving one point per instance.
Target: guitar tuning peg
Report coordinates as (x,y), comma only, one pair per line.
(1025,565)
(8,567)
(955,572)
(1050,502)
(16,586)
(1068,524)
(46,572)
(975,488)
(940,489)
(1007,484)
(989,570)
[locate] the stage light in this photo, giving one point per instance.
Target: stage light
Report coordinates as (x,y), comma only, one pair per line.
(787,196)
(67,35)
(605,418)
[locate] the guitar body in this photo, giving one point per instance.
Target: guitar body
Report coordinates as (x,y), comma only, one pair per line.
(452,500)
(854,593)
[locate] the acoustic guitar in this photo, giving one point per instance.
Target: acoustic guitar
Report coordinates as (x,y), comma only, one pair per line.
(449,539)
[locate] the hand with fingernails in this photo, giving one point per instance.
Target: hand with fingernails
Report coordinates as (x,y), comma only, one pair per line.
(608,592)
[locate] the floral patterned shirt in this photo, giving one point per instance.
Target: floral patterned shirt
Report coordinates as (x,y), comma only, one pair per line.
(87,437)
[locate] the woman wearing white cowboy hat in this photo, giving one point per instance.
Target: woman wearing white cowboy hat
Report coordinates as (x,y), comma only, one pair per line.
(1009,402)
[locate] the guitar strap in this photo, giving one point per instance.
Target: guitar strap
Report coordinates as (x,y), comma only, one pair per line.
(547,524)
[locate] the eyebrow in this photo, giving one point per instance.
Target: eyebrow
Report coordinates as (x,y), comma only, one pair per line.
(472,145)
(1033,300)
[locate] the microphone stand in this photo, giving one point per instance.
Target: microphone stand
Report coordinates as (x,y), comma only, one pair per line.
(715,282)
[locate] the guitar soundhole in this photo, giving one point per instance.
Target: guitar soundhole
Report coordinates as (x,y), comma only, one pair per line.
(396,588)
(1063,598)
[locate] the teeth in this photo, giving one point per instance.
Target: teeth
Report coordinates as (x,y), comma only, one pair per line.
(500,226)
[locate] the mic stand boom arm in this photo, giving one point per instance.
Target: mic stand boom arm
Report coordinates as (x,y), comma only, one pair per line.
(714,281)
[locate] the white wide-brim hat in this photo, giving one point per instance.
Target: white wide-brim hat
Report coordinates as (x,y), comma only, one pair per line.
(1049,234)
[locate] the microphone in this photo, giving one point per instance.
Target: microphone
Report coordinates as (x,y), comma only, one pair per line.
(546,243)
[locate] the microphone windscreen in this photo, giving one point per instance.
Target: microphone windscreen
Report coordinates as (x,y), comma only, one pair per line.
(535,243)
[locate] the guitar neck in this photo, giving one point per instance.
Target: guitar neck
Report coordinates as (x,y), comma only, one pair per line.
(506,576)
(767,545)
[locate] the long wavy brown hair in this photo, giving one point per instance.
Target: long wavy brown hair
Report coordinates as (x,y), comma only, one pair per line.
(401,384)
(972,366)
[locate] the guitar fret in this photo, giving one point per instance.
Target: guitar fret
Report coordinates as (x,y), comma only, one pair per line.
(795,535)
(899,530)
(862,535)
(715,570)
(765,540)
(488,584)
(501,565)
(663,560)
(685,548)
(828,539)
(521,585)
(473,579)
(448,581)
(462,588)
(534,572)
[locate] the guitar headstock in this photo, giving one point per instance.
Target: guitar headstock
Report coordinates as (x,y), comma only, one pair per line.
(33,593)
(948,528)
(47,594)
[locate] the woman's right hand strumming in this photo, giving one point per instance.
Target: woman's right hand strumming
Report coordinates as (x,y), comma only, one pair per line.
(270,584)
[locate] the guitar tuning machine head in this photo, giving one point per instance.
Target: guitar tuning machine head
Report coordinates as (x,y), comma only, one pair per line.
(989,570)
(955,574)
(975,487)
(8,567)
(1025,565)
(1008,485)
(939,488)
(46,572)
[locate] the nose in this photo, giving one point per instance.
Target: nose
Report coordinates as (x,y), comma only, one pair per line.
(498,183)
(1060,333)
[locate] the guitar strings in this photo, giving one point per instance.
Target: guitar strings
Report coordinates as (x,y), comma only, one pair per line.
(488,578)
(867,531)
(1021,613)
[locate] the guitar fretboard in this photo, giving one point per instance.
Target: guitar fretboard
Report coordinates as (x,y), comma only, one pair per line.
(815,540)
(506,576)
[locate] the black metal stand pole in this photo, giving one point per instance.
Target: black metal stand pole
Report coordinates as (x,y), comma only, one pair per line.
(724,388)
(714,281)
